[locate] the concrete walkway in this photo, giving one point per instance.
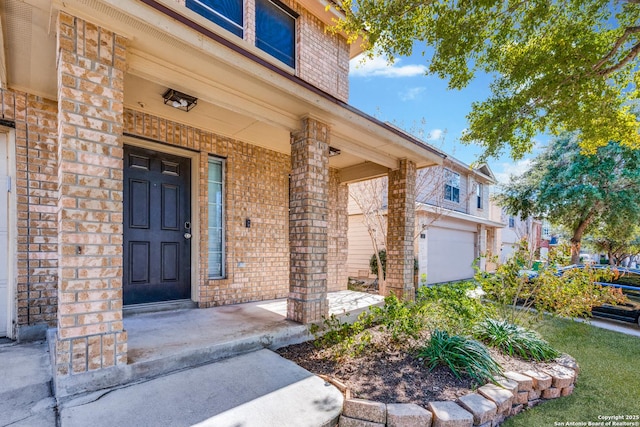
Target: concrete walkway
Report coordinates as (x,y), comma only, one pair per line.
(258,389)
(25,386)
(208,367)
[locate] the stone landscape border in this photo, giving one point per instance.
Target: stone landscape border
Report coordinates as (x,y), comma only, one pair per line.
(488,406)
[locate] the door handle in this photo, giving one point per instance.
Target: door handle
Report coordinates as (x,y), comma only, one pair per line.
(187,236)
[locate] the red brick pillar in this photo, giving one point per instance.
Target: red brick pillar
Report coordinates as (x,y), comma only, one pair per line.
(90,160)
(400,230)
(308,211)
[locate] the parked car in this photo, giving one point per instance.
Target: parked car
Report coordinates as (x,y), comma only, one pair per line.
(629,311)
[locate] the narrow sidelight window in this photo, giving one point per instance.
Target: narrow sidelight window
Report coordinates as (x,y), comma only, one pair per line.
(216,219)
(479,195)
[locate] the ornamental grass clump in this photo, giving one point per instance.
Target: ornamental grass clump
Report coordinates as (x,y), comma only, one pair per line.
(460,355)
(514,340)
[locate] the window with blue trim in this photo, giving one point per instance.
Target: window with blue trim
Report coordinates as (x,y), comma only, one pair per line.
(276,31)
(226,13)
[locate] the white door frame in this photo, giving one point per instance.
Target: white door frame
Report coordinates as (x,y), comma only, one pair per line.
(7,137)
(195,200)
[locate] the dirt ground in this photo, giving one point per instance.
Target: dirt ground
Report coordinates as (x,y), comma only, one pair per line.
(390,374)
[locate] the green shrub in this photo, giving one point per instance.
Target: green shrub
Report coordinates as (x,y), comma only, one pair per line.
(373,263)
(513,339)
(572,294)
(400,319)
(460,355)
(453,307)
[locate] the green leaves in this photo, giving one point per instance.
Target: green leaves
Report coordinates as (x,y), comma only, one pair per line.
(461,355)
(576,190)
(557,66)
(515,340)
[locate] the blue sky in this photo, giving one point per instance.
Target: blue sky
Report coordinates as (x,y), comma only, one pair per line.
(422,105)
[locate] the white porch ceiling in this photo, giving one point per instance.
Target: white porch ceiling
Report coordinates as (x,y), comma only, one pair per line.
(238,97)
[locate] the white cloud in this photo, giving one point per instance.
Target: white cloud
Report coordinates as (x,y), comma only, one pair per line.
(508,169)
(378,67)
(435,134)
(412,93)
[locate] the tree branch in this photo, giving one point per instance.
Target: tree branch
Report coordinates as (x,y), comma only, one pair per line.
(617,45)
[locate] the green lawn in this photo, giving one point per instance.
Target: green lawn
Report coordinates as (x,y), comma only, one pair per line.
(608,384)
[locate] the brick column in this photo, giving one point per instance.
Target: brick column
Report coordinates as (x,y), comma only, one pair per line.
(91,64)
(308,211)
(400,230)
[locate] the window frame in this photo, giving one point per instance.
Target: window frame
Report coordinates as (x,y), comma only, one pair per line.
(237,29)
(294,17)
(451,184)
(223,254)
(480,199)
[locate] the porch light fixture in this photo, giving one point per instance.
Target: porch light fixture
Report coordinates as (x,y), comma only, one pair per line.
(333,151)
(179,100)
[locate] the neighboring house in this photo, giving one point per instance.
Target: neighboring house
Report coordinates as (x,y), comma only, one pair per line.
(515,230)
(453,224)
(157,151)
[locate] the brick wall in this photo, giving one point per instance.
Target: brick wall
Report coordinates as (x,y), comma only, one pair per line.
(35,122)
(323,57)
(256,187)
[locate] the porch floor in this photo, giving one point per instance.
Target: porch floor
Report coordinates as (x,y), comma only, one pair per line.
(203,335)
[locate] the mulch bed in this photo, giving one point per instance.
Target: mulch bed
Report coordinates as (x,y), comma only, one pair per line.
(390,373)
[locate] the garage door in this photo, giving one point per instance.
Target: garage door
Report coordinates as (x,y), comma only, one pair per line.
(450,254)
(4,234)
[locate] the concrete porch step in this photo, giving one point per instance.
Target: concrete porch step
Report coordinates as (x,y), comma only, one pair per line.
(160,343)
(25,385)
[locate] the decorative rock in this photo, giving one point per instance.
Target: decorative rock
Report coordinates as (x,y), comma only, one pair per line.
(567,390)
(482,409)
(568,362)
(525,383)
(517,409)
(551,393)
(407,415)
(502,398)
(521,397)
(534,394)
(562,377)
(448,414)
(366,410)
(541,381)
(353,422)
(508,384)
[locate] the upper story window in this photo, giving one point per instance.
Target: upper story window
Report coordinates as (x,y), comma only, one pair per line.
(512,222)
(276,31)
(226,13)
(479,190)
(452,186)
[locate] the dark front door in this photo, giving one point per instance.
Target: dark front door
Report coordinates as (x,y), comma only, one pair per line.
(157,216)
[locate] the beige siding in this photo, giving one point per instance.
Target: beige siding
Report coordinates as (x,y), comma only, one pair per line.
(360,247)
